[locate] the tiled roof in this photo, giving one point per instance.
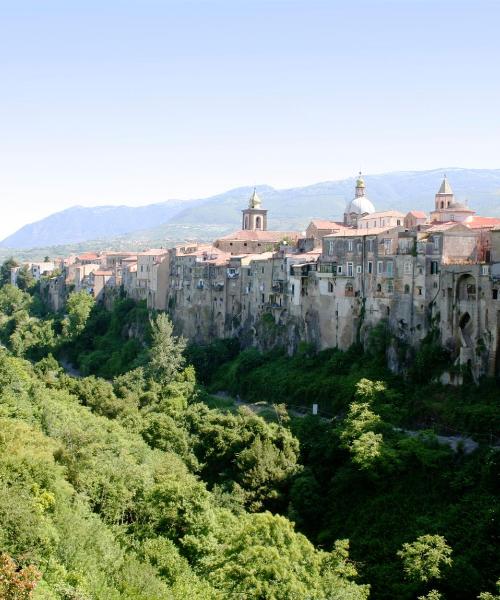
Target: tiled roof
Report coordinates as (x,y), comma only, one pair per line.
(154,252)
(351,232)
(87,256)
(437,227)
(104,273)
(383,213)
(418,214)
(323,224)
(482,222)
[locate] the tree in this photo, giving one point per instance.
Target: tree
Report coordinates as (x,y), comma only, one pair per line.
(17,583)
(263,557)
(5,269)
(489,596)
(78,306)
(424,558)
(166,354)
(25,279)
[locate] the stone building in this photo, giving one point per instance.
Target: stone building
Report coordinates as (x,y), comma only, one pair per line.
(254,237)
(333,287)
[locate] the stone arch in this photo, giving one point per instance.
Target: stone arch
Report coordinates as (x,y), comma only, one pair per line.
(258,223)
(465,288)
(466,329)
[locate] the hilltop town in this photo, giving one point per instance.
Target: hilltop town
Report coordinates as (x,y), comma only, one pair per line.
(330,285)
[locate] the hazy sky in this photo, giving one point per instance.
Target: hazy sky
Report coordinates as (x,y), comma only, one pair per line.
(135,102)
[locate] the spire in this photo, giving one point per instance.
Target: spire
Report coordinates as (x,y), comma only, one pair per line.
(445,187)
(255,201)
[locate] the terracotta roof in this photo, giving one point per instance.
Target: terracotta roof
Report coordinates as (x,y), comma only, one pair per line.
(436,226)
(248,235)
(104,273)
(418,214)
(154,252)
(350,232)
(482,222)
(323,224)
(382,213)
(87,256)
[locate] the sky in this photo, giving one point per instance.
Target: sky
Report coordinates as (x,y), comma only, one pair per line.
(135,102)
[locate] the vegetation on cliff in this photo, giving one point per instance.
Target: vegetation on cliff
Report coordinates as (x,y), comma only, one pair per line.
(130,486)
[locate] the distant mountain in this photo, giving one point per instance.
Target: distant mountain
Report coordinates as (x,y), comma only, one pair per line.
(175,220)
(80,223)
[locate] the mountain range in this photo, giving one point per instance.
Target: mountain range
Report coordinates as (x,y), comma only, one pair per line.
(204,218)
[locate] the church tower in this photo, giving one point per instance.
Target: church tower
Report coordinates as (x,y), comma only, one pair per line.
(447,208)
(444,197)
(254,217)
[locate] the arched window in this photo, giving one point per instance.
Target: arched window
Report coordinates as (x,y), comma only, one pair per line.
(246,222)
(258,223)
(349,289)
(379,287)
(407,288)
(442,204)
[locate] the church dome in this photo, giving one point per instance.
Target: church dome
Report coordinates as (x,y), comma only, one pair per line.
(360,205)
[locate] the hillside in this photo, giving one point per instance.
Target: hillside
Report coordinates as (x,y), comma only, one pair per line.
(128,480)
(204,218)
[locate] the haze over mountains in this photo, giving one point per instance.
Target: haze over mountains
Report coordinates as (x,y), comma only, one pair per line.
(175,220)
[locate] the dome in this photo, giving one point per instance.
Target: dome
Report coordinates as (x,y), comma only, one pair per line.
(360,205)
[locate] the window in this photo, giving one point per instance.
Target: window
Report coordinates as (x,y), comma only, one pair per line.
(350,244)
(388,245)
(390,287)
(379,287)
(484,270)
(349,269)
(407,268)
(370,266)
(358,247)
(434,267)
(359,269)
(407,288)
(495,294)
(398,222)
(339,270)
(390,268)
(380,267)
(330,287)
(370,246)
(436,243)
(419,290)
(330,247)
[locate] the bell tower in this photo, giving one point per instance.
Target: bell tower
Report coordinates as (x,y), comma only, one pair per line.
(445,196)
(254,217)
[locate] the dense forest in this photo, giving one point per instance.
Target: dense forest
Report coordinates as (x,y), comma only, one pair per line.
(124,472)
